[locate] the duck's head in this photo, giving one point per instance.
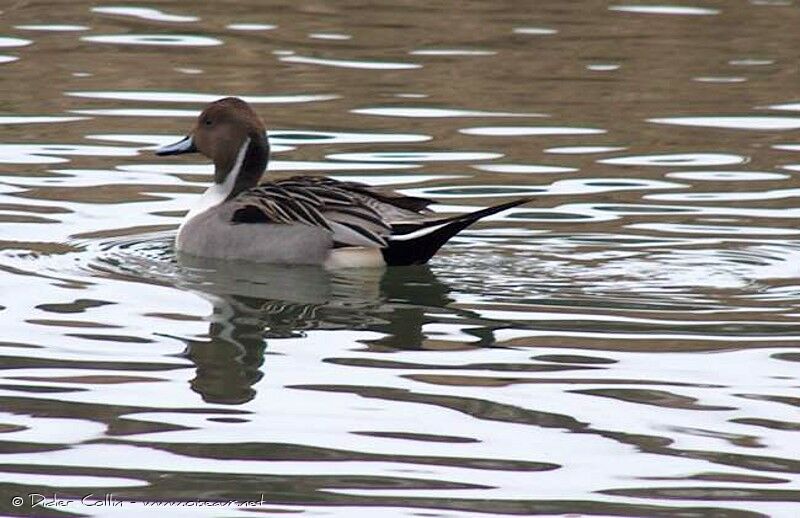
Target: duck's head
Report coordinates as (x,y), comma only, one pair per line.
(233,136)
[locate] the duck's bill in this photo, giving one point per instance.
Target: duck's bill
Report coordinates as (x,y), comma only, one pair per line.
(178,148)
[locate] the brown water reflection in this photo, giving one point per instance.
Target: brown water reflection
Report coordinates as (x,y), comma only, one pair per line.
(626,345)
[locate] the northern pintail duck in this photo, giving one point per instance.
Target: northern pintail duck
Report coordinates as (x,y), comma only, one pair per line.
(303,219)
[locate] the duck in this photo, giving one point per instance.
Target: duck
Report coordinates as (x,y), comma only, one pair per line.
(300,220)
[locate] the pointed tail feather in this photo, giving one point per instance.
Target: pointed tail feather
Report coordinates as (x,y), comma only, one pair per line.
(416,243)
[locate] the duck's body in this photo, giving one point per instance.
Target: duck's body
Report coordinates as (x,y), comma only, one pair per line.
(299,220)
(211,234)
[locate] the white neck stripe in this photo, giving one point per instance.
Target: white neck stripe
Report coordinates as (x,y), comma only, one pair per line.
(219,192)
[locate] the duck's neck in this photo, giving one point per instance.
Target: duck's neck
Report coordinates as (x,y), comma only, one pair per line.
(230,180)
(247,168)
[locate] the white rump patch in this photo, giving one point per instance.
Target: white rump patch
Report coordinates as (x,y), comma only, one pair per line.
(355,257)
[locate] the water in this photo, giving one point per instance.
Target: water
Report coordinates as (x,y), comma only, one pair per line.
(625,345)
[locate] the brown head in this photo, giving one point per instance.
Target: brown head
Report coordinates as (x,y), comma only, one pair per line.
(231,134)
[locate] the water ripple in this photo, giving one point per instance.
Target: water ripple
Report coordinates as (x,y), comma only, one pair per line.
(251,27)
(681,159)
(193,97)
(522,131)
(560,187)
(332,36)
(535,31)
(582,150)
(52,153)
(423,112)
(523,168)
(36,119)
(452,52)
(355,64)
(145,13)
(165,40)
(52,27)
(415,156)
(665,9)
(6,41)
(750,122)
(727,176)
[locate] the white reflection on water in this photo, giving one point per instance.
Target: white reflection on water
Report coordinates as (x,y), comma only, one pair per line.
(145,13)
(523,168)
(452,52)
(139,112)
(787,147)
(167,40)
(665,9)
(346,63)
(194,97)
(251,26)
(560,187)
(720,79)
(415,156)
(727,176)
(610,212)
(394,180)
(791,107)
(536,31)
(603,67)
(772,3)
(435,113)
(52,480)
(678,159)
(716,230)
(751,62)
(52,153)
(306,165)
(300,137)
(97,177)
(53,27)
(748,122)
(522,131)
(333,36)
(775,194)
(36,119)
(6,41)
(581,150)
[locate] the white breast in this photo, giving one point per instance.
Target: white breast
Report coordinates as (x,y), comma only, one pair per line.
(217,193)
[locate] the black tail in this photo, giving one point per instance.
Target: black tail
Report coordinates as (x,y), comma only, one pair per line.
(416,243)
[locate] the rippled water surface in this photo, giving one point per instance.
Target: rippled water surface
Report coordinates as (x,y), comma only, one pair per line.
(625,345)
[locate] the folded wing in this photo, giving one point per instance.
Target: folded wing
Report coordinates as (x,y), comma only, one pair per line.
(355,214)
(358,215)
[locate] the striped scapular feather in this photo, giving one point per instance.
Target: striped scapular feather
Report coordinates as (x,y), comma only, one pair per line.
(342,208)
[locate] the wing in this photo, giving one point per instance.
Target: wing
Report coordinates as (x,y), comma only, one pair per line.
(392,206)
(325,205)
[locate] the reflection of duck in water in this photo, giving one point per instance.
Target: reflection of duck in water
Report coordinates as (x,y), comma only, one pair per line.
(300,220)
(255,302)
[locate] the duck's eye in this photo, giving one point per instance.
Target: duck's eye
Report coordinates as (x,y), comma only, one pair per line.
(207,122)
